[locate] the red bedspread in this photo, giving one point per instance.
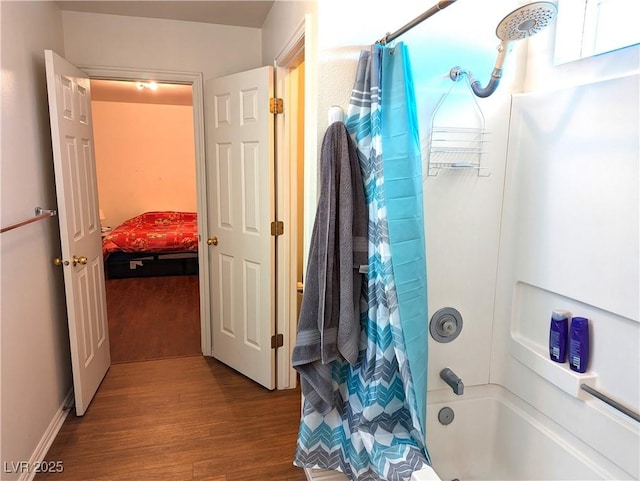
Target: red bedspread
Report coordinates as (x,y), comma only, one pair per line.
(154,232)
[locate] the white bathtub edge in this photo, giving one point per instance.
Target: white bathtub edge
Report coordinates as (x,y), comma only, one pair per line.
(425,474)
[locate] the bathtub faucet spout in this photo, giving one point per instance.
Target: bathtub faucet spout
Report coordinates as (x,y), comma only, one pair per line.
(452,380)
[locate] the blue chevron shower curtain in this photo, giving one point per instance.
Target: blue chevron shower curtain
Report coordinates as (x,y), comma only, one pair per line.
(377,429)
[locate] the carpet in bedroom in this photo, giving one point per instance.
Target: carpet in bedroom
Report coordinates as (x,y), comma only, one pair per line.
(153,318)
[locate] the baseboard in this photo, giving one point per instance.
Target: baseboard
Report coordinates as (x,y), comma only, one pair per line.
(48,437)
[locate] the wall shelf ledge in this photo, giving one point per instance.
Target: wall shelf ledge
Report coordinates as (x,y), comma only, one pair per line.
(536,359)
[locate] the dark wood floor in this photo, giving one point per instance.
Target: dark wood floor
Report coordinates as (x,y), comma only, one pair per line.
(153,317)
(189,418)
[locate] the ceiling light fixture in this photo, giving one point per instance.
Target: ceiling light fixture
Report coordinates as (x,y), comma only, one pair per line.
(147,85)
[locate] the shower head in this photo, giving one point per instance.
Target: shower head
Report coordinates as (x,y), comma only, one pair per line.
(523,23)
(519,24)
(526,21)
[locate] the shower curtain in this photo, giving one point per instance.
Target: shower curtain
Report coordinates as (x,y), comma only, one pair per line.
(376,430)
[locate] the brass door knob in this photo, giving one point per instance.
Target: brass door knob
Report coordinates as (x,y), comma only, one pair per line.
(212,241)
(59,262)
(78,260)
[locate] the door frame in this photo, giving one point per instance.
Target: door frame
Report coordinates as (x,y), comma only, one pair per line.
(300,44)
(305,36)
(197,87)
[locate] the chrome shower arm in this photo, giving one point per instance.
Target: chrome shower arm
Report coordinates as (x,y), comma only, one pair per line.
(456,73)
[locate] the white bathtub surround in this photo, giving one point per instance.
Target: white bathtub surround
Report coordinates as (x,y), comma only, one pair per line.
(496,435)
(569,241)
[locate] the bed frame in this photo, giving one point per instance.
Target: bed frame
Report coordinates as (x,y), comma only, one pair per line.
(121,265)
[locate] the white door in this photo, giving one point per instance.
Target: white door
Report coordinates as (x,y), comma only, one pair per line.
(241,203)
(76,189)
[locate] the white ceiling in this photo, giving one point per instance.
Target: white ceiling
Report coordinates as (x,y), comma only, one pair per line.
(241,13)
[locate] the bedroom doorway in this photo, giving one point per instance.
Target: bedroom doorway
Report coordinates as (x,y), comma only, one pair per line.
(286,285)
(146,170)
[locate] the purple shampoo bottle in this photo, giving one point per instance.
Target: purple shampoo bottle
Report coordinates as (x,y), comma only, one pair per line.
(558,334)
(579,344)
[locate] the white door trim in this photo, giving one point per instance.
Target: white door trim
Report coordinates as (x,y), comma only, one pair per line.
(196,81)
(287,205)
(302,42)
(294,47)
(311,132)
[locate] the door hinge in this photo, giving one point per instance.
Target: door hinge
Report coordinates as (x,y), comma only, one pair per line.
(276,105)
(277,228)
(277,341)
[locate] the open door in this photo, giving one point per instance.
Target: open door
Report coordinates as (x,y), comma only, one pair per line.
(76,190)
(241,207)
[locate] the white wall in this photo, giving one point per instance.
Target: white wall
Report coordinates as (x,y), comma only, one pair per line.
(282,22)
(36,372)
(145,159)
(542,74)
(148,43)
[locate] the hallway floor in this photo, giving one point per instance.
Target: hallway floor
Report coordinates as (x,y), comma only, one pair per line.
(189,418)
(153,318)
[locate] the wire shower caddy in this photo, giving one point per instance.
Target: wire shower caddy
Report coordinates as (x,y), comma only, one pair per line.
(459,144)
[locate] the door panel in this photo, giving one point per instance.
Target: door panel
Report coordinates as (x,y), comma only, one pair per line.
(80,237)
(240,171)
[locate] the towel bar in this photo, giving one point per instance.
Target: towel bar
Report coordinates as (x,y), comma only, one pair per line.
(614,404)
(39,215)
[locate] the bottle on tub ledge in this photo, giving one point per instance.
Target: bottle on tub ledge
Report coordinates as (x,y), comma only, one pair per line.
(558,335)
(579,344)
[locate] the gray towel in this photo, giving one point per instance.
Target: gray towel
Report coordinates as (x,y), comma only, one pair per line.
(329,323)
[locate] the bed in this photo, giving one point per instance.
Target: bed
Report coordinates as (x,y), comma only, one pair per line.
(162,243)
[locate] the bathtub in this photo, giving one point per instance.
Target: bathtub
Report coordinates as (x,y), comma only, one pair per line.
(495,435)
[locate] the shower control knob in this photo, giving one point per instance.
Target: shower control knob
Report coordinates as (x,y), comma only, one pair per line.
(449,326)
(445,324)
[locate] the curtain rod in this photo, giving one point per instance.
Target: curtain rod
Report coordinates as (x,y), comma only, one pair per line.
(441,5)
